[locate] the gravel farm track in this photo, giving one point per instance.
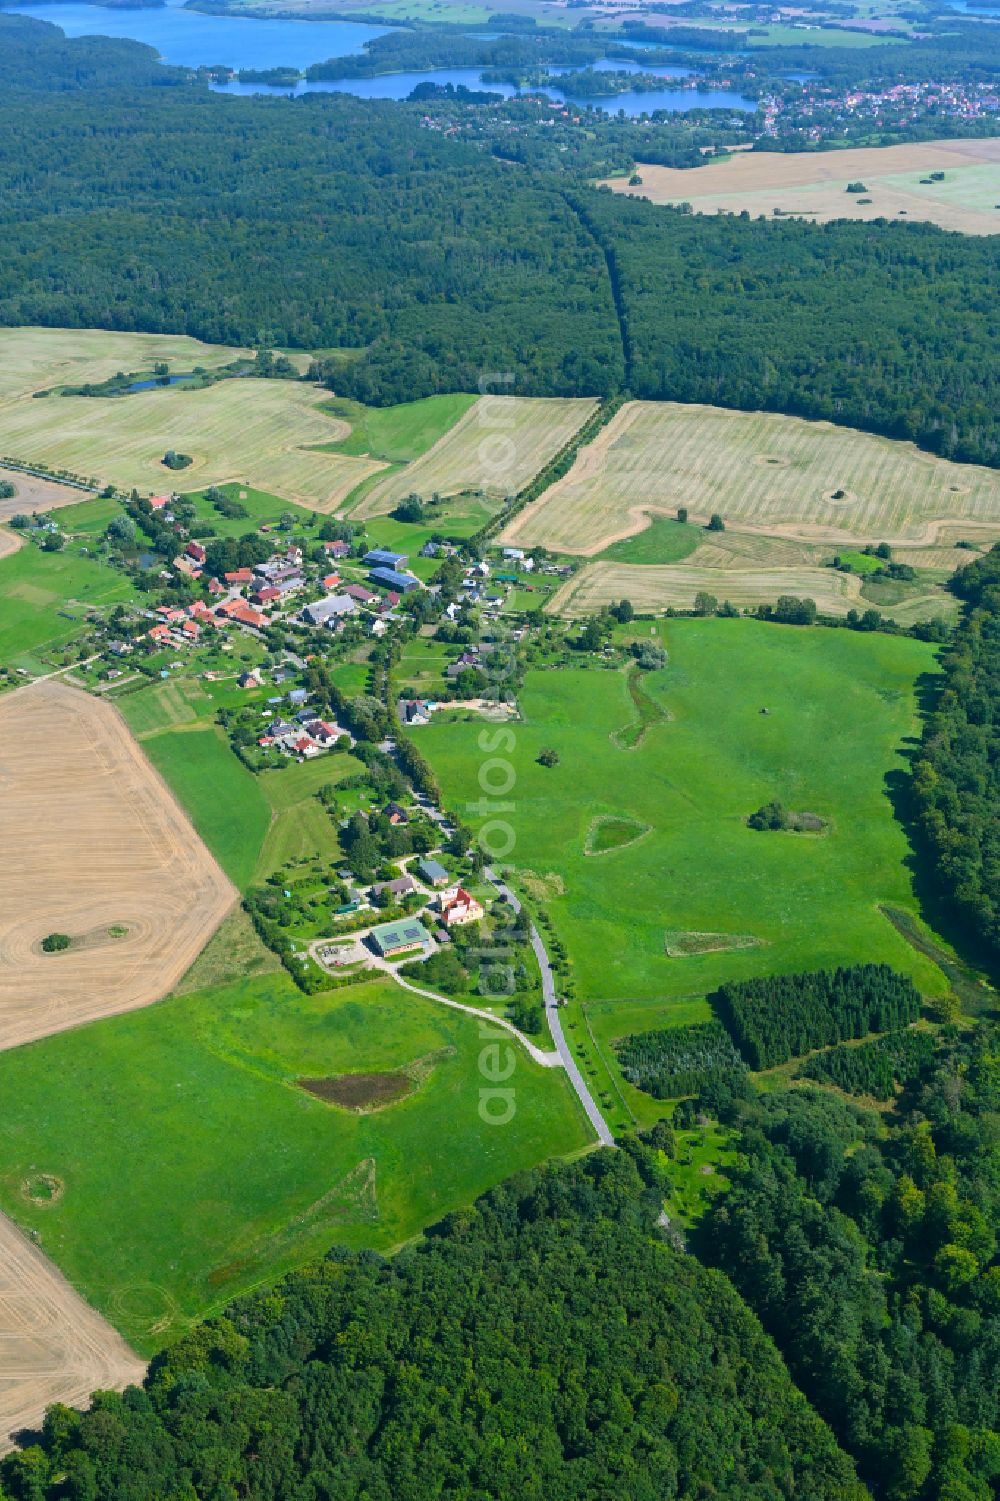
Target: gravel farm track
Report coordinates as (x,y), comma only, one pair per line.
(98,849)
(53,1346)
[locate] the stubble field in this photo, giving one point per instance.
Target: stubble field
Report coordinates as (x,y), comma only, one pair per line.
(262,432)
(779,476)
(814,184)
(38,359)
(497,446)
(653,588)
(55,1347)
(98,851)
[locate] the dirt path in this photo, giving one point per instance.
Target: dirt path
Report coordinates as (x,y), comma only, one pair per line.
(53,1346)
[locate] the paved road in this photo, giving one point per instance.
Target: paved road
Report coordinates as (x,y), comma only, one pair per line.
(584,1095)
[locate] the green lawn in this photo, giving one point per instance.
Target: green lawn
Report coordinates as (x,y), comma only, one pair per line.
(663,541)
(194,1167)
(262,509)
(839,705)
(396,434)
(301,828)
(44,597)
(225,802)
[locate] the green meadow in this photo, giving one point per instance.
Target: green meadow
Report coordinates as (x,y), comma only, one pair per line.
(840,707)
(193,1166)
(662,541)
(399,433)
(45,597)
(262,508)
(224,801)
(252,824)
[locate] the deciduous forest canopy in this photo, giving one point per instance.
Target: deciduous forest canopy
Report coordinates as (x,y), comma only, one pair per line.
(546,1342)
(143,208)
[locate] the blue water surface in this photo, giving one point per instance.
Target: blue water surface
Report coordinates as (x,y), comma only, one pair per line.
(187,38)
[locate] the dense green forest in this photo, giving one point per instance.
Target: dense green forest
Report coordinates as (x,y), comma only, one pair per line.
(547,1342)
(143,208)
(875,1068)
(867,1246)
(957,772)
(777,1017)
(672,1061)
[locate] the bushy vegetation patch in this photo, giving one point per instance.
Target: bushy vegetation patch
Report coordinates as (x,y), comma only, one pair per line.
(359,1091)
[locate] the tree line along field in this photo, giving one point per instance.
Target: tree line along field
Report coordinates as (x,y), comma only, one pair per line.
(496,446)
(193,1164)
(840,705)
(896,179)
(763,473)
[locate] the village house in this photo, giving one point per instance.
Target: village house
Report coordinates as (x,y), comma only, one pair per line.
(269,595)
(400,887)
(239,577)
(433,872)
(360,593)
(415,710)
(337,549)
(196,552)
(458,907)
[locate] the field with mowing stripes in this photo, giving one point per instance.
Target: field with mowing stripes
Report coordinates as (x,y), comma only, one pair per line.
(653,589)
(497,446)
(258,431)
(38,359)
(780,476)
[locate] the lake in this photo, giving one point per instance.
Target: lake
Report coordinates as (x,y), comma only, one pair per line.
(190,39)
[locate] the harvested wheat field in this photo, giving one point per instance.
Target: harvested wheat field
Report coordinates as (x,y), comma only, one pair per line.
(53,1346)
(814,183)
(261,431)
(34,494)
(496,447)
(778,476)
(98,850)
(38,359)
(653,587)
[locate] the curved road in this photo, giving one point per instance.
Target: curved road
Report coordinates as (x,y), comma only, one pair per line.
(584,1095)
